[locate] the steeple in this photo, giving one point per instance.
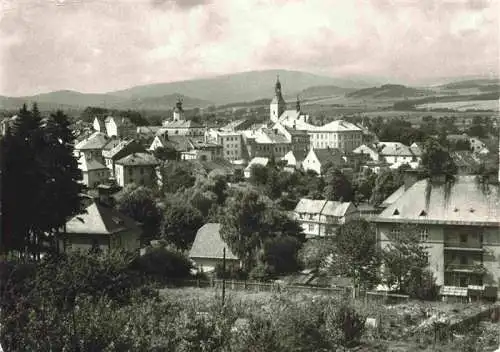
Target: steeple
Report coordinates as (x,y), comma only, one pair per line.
(278,104)
(277,86)
(297,104)
(178,111)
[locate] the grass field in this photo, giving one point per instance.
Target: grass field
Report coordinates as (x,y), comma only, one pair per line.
(463,105)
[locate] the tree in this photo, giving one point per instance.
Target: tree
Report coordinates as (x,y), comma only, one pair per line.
(248,221)
(437,161)
(63,188)
(139,203)
(259,175)
(386,183)
(338,187)
(180,223)
(363,186)
(404,259)
(356,253)
(177,176)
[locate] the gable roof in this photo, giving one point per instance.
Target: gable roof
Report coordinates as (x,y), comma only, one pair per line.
(310,206)
(138,159)
(339,126)
(328,154)
(122,145)
(149,130)
(394,148)
(257,161)
(90,164)
(100,220)
(96,140)
(464,203)
(208,243)
(393,197)
(335,208)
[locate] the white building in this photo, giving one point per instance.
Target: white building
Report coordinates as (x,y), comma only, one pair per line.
(320,218)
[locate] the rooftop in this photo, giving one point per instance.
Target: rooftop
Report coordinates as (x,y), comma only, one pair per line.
(86,164)
(96,140)
(464,202)
(208,243)
(394,148)
(138,159)
(100,220)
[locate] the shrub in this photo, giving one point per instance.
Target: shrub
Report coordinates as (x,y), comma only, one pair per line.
(161,264)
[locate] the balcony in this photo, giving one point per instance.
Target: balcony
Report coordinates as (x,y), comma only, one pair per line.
(463,246)
(466,268)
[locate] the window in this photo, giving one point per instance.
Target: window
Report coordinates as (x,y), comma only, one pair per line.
(424,234)
(142,171)
(311,227)
(311,216)
(395,231)
(463,260)
(463,238)
(130,171)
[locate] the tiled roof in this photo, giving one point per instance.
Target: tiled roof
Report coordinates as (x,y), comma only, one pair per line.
(328,154)
(137,159)
(310,206)
(339,209)
(86,164)
(151,130)
(464,202)
(100,220)
(393,197)
(118,148)
(181,124)
(339,126)
(299,155)
(394,148)
(113,142)
(269,136)
(96,140)
(209,244)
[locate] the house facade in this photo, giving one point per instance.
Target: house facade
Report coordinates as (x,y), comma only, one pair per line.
(317,159)
(458,225)
(121,150)
(321,218)
(93,171)
(101,227)
(138,168)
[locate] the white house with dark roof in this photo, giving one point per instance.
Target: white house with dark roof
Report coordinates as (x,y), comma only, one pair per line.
(119,151)
(254,162)
(460,225)
(371,151)
(138,168)
(207,250)
(92,145)
(320,218)
(317,159)
(101,227)
(93,171)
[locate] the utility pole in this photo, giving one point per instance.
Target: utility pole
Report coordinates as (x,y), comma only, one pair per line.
(223,275)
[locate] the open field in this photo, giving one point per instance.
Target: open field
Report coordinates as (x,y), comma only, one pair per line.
(463,105)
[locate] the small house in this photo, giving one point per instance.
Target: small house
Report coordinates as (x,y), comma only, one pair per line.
(207,250)
(317,159)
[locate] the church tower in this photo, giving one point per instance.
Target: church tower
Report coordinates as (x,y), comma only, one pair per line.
(278,104)
(178,111)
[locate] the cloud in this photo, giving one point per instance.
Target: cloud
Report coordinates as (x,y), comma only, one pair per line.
(104,45)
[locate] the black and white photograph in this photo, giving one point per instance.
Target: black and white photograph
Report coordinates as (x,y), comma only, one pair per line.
(249,175)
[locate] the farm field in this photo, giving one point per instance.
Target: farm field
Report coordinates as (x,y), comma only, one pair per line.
(463,105)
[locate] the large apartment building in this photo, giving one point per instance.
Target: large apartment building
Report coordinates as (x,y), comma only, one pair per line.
(458,224)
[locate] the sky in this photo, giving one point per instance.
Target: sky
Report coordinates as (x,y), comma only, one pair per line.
(106,45)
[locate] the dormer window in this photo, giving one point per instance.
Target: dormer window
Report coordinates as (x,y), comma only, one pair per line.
(396,212)
(423,213)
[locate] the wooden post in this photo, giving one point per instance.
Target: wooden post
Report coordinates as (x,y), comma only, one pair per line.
(223,275)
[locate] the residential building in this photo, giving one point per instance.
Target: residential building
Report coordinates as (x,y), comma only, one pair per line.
(202,150)
(397,154)
(138,168)
(295,159)
(266,143)
(207,251)
(338,134)
(369,150)
(478,146)
(237,125)
(255,161)
(231,142)
(459,224)
(119,151)
(320,218)
(6,124)
(98,124)
(93,171)
(92,146)
(119,127)
(466,161)
(317,159)
(100,227)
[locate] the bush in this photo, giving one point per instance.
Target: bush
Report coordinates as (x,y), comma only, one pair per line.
(162,264)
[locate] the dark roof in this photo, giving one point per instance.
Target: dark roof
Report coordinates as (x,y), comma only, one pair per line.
(100,220)
(329,154)
(138,159)
(181,124)
(209,244)
(464,202)
(96,140)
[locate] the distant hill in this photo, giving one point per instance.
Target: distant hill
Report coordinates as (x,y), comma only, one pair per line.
(78,101)
(239,87)
(472,83)
(389,91)
(323,91)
